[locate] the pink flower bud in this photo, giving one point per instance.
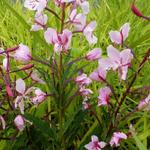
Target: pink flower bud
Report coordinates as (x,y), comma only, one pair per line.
(85,92)
(9,91)
(19,122)
(22,53)
(136,11)
(144,104)
(94,54)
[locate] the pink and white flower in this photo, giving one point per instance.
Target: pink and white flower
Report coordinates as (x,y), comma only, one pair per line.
(38,5)
(120,60)
(83,80)
(22,53)
(94,54)
(40,21)
(19,122)
(21,89)
(95,144)
(104,96)
(144,104)
(2,122)
(61,42)
(116,138)
(39,98)
(119,37)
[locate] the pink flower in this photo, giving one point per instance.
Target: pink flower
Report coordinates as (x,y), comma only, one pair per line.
(2,122)
(19,122)
(99,74)
(38,5)
(145,103)
(61,42)
(40,22)
(21,89)
(85,92)
(94,54)
(22,53)
(116,138)
(82,80)
(119,37)
(88,32)
(120,60)
(95,144)
(103,98)
(39,98)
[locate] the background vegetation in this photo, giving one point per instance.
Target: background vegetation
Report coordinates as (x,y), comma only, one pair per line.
(15,23)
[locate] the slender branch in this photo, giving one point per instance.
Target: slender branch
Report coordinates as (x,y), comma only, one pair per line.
(54,13)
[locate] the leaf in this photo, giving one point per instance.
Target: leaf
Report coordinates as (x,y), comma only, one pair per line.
(42,126)
(139,143)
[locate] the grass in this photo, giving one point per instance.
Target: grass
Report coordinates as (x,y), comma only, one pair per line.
(110,15)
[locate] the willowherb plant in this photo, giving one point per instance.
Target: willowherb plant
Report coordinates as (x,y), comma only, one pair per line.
(68,95)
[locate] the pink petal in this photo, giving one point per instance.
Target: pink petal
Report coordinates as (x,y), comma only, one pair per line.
(50,36)
(19,122)
(115,37)
(94,54)
(125,30)
(20,86)
(3,122)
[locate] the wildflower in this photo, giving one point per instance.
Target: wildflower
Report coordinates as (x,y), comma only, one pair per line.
(38,5)
(116,138)
(40,21)
(144,104)
(2,122)
(103,98)
(95,144)
(119,37)
(22,53)
(82,80)
(19,122)
(94,54)
(21,89)
(61,42)
(40,97)
(120,60)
